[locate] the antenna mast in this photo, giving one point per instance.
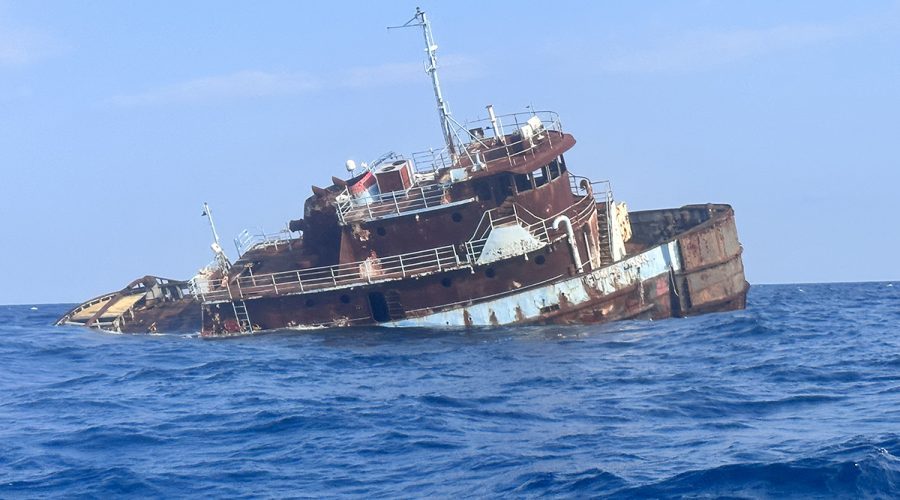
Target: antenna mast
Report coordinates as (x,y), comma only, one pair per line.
(221,258)
(431,48)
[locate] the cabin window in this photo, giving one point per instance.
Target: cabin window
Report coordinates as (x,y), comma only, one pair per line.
(345,299)
(550,308)
(380,231)
(553,168)
(539,177)
(504,188)
(540,260)
(523,182)
(483,191)
(310,302)
(562,163)
(446,282)
(456,217)
(490,272)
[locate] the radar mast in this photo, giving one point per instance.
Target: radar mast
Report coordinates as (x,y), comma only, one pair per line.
(431,48)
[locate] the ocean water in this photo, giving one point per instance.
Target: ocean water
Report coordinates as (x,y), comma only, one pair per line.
(797,396)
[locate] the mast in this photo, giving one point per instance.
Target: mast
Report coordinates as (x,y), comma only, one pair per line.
(221,258)
(431,48)
(212,225)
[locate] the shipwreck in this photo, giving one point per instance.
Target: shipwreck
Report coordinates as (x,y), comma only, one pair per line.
(491,229)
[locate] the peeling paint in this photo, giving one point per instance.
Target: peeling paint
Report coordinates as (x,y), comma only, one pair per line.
(573,292)
(520,316)
(508,241)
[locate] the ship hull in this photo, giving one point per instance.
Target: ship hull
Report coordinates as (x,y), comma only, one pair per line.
(698,272)
(682,262)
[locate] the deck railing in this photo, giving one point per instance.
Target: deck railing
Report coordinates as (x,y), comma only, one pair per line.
(498,146)
(245,240)
(514,215)
(603,195)
(581,186)
(475,151)
(337,276)
(375,269)
(394,204)
(431,160)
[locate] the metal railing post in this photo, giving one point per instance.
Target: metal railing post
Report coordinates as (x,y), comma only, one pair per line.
(609,240)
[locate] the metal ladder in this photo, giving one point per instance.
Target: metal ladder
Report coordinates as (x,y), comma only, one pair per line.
(395,308)
(242,316)
(605,225)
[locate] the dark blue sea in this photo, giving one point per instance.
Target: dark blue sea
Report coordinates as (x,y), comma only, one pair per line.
(797,396)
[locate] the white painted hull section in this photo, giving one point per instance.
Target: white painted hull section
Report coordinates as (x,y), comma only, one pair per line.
(527,304)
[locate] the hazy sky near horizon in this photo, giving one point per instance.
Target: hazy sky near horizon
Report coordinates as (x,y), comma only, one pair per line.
(118,119)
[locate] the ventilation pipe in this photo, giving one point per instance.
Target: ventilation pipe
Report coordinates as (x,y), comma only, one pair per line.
(495,124)
(570,234)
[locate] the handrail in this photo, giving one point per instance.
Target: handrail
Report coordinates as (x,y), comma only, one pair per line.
(431,160)
(604,196)
(539,227)
(337,276)
(602,190)
(245,241)
(375,269)
(487,148)
(480,152)
(394,203)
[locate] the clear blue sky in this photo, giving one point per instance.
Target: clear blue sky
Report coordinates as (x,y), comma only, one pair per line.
(118,119)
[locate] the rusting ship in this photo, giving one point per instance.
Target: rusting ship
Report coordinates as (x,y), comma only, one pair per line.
(491,229)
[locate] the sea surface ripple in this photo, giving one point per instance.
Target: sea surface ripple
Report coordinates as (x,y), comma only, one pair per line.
(797,396)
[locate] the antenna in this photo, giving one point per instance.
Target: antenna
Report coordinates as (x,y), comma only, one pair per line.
(431,48)
(216,247)
(212,225)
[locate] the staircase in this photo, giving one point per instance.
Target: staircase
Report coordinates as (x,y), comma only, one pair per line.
(509,213)
(395,308)
(604,225)
(505,211)
(242,316)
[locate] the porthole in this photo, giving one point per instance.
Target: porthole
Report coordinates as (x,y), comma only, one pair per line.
(490,272)
(380,231)
(456,217)
(446,282)
(310,302)
(540,260)
(345,299)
